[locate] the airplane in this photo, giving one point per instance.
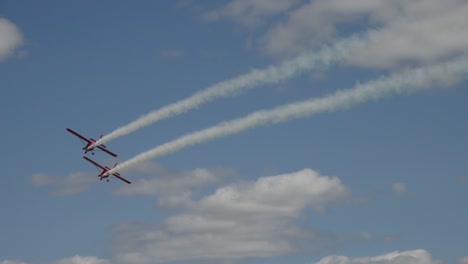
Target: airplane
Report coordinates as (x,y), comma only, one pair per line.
(105,171)
(89,142)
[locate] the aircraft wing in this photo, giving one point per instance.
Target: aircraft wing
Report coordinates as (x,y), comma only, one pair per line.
(78,135)
(120,178)
(107,151)
(94,163)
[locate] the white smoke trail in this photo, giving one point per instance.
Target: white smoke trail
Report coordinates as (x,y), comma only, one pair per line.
(398,83)
(328,55)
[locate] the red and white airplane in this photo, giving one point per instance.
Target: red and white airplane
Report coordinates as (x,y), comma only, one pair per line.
(105,171)
(90,142)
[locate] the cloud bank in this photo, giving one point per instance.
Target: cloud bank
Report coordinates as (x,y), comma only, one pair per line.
(249,219)
(77,259)
(172,187)
(413,31)
(418,256)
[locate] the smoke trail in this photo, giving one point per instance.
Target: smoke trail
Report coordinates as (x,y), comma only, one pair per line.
(323,58)
(398,83)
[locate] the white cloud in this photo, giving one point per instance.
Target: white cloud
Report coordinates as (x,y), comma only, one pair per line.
(399,188)
(463,179)
(463,260)
(250,13)
(174,188)
(83,260)
(427,32)
(172,53)
(10,38)
(407,257)
(72,184)
(411,30)
(286,194)
(42,179)
(169,182)
(251,219)
(12,262)
(366,236)
(313,23)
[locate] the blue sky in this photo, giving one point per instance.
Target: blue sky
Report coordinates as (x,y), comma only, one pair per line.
(381,181)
